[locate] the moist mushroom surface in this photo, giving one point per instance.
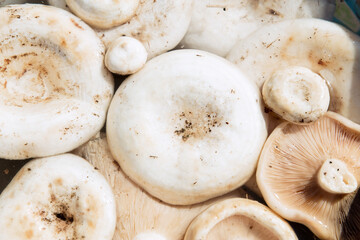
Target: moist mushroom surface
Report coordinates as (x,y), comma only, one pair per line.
(310,173)
(187,127)
(54,87)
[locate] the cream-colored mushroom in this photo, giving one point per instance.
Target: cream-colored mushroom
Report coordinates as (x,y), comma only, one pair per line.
(158,25)
(177,125)
(310,174)
(125,56)
(323,47)
(296,94)
(217,25)
(239,218)
(60,197)
(104,14)
(54,87)
(141,216)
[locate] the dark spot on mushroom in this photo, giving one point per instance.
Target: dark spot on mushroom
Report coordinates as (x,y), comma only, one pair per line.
(76,24)
(325,173)
(224,9)
(250,227)
(151,156)
(321,62)
(273,12)
(29,169)
(117,165)
(330,162)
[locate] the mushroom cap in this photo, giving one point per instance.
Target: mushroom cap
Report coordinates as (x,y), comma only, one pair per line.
(158,25)
(217,25)
(59,197)
(54,87)
(139,215)
(288,168)
(324,47)
(125,56)
(296,94)
(187,127)
(239,218)
(105,13)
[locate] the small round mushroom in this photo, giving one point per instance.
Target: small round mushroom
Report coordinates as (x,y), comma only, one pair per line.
(187,127)
(323,47)
(54,87)
(296,94)
(239,218)
(60,197)
(125,56)
(141,216)
(310,174)
(217,25)
(104,14)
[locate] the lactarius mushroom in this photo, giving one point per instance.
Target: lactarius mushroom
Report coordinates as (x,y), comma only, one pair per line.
(158,25)
(54,87)
(139,215)
(217,25)
(296,94)
(104,14)
(310,173)
(324,48)
(125,56)
(60,197)
(239,218)
(187,127)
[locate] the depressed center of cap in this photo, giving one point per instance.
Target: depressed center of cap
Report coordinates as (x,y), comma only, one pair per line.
(297,94)
(335,177)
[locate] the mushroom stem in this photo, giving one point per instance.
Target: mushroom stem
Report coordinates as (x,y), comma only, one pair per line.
(335,177)
(297,94)
(149,236)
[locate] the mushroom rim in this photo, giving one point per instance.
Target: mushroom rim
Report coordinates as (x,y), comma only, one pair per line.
(272,199)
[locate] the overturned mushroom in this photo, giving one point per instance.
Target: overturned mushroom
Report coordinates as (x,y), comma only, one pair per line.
(325,48)
(104,14)
(187,127)
(217,25)
(125,56)
(54,87)
(60,197)
(239,218)
(297,94)
(310,173)
(139,215)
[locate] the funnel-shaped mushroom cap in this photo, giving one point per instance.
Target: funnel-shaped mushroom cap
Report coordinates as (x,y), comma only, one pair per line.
(54,87)
(239,218)
(139,215)
(158,25)
(187,127)
(309,173)
(105,13)
(61,197)
(325,48)
(217,25)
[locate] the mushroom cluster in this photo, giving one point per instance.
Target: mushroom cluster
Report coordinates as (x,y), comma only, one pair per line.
(126,135)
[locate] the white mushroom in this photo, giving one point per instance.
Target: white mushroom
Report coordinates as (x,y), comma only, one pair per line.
(217,25)
(239,218)
(158,25)
(325,48)
(125,56)
(105,13)
(60,197)
(139,215)
(187,127)
(54,87)
(297,94)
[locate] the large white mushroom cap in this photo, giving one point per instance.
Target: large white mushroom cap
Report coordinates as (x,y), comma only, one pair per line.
(323,47)
(60,197)
(54,88)
(217,25)
(187,127)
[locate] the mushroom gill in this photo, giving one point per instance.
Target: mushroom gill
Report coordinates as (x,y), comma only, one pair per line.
(292,167)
